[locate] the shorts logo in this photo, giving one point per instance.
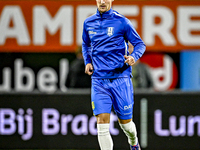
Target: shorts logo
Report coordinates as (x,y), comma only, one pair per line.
(93,105)
(110,31)
(128,107)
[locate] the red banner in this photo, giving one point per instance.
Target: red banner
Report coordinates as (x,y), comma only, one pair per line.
(56,26)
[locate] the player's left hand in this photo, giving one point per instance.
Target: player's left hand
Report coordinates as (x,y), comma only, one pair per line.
(129,60)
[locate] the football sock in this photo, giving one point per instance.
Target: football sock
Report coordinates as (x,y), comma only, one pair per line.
(104,137)
(130,131)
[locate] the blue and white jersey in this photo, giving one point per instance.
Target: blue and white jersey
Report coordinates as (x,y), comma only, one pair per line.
(105,42)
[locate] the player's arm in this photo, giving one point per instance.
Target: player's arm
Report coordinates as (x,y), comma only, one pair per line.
(86,51)
(133,37)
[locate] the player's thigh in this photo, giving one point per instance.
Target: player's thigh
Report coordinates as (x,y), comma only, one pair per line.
(123,99)
(100,97)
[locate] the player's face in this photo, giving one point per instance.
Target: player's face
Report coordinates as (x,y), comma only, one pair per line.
(104,5)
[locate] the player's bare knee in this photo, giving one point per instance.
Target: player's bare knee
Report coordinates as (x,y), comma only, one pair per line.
(121,121)
(103,118)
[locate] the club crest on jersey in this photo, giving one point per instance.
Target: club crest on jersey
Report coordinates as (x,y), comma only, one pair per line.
(110,31)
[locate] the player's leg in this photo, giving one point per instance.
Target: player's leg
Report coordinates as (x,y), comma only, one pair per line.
(104,137)
(101,105)
(123,105)
(103,118)
(129,128)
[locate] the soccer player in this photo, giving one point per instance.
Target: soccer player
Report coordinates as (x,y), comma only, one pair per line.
(105,51)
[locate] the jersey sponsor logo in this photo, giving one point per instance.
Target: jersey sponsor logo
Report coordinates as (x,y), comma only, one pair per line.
(92,32)
(110,31)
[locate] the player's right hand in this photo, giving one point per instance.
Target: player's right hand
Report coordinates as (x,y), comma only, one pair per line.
(89,69)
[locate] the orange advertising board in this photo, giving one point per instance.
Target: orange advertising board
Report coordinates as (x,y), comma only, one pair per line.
(56,26)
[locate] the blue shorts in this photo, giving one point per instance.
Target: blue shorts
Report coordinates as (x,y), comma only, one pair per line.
(113,92)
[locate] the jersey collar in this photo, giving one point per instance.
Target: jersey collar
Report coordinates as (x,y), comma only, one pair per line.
(106,14)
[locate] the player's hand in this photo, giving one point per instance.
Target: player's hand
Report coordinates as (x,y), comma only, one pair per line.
(129,60)
(89,69)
